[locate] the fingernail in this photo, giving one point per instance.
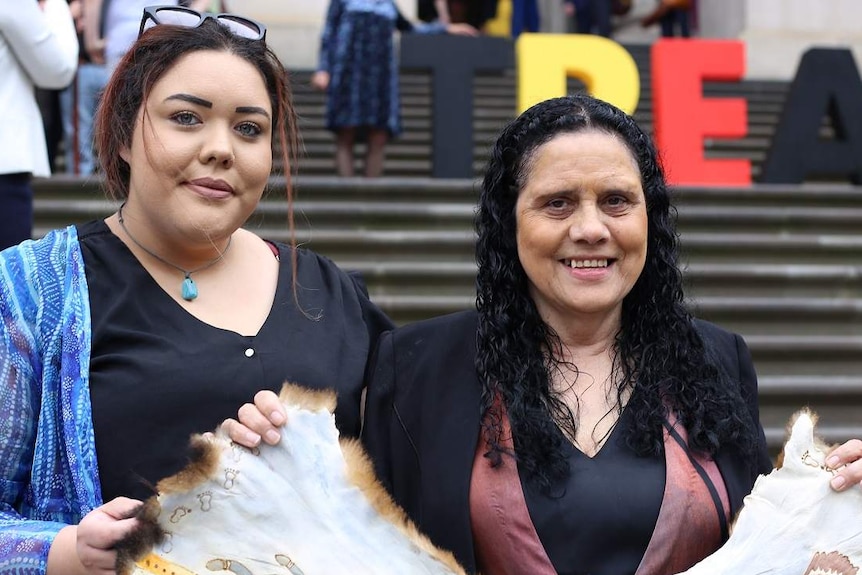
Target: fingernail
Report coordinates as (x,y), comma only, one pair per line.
(272,437)
(837,482)
(252,438)
(276,417)
(832,461)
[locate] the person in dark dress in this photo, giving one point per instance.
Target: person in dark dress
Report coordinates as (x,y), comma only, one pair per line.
(674,17)
(358,71)
(121,337)
(580,420)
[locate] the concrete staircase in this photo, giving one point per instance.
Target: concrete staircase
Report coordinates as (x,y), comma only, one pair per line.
(782,265)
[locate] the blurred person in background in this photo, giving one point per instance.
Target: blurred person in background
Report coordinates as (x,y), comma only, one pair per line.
(673,16)
(78,103)
(38,48)
(472,12)
(433,10)
(111,26)
(594,16)
(525,17)
(358,72)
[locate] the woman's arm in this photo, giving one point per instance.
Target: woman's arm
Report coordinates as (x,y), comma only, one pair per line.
(24,544)
(88,548)
(94,44)
(328,36)
(321,78)
(379,409)
(442,7)
(46,455)
(748,389)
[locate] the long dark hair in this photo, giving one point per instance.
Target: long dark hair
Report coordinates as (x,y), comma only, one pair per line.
(659,356)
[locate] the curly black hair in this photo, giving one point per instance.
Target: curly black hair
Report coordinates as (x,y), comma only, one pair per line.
(659,358)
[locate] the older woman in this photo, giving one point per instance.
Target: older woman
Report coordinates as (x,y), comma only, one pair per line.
(580,421)
(121,337)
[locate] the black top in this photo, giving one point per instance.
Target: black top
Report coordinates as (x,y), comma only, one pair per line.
(158,374)
(423,417)
(598,508)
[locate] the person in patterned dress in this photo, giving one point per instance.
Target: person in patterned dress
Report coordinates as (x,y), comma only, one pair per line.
(358,72)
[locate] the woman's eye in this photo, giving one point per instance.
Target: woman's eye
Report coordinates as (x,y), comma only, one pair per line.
(185,118)
(249,129)
(557,204)
(617,201)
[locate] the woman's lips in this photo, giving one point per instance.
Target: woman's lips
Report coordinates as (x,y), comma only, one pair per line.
(211,188)
(589,268)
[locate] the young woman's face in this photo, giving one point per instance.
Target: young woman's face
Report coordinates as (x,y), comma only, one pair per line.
(201,151)
(582,225)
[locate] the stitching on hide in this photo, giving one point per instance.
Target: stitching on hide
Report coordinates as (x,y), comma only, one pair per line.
(810,461)
(832,563)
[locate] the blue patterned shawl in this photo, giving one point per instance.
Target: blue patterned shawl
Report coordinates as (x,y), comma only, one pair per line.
(48,468)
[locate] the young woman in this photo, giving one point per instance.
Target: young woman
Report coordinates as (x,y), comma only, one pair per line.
(121,337)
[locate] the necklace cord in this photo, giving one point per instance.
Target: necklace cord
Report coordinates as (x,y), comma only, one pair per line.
(189,288)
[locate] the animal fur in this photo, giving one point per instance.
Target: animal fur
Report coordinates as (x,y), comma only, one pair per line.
(228,509)
(793,523)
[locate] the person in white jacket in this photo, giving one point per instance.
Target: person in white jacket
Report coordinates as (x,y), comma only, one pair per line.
(38,47)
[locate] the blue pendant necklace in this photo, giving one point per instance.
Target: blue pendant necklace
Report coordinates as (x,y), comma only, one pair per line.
(189,287)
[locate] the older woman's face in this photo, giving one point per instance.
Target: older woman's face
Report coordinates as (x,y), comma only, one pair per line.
(581,226)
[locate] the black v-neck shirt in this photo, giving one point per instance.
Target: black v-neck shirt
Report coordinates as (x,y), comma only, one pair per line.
(158,374)
(599,521)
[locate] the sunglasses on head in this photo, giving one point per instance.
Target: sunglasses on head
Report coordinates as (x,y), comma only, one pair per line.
(188,18)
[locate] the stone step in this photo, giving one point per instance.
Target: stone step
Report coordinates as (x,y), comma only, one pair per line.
(836,399)
(729,219)
(760,317)
(825,387)
(795,248)
(466,190)
(783,315)
(806,355)
(776,434)
(773,280)
(771,195)
(705,282)
(457,243)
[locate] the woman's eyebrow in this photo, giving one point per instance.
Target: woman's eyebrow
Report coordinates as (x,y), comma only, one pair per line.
(191,99)
(252,110)
(207,104)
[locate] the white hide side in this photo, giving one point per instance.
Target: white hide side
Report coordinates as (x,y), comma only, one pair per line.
(266,508)
(791,515)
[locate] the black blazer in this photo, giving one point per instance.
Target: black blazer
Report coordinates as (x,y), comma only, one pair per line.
(422,422)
